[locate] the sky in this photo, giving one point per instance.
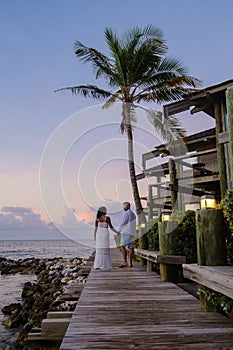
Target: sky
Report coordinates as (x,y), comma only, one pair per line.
(62,156)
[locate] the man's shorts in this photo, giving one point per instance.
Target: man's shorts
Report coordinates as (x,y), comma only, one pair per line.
(127,240)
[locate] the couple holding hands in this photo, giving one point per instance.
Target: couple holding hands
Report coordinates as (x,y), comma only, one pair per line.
(126,233)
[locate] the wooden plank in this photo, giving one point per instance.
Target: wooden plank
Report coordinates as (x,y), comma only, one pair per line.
(217,278)
(59,314)
(42,343)
(156,257)
(172,259)
(130,308)
(147,254)
(54,327)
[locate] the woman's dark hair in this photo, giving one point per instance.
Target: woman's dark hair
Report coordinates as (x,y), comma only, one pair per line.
(101,211)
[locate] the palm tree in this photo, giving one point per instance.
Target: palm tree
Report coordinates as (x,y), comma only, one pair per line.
(137,70)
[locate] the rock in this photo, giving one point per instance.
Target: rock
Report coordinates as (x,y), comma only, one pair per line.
(15,320)
(54,278)
(30,289)
(11,309)
(65,279)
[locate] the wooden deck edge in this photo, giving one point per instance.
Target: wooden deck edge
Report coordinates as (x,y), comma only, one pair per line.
(210,277)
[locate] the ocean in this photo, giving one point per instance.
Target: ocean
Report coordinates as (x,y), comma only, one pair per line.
(11,285)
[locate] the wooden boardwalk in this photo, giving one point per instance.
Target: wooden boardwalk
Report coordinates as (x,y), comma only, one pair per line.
(130,308)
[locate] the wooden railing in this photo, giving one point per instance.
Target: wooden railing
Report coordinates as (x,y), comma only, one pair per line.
(170,265)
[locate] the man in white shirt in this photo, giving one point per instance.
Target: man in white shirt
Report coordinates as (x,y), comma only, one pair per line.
(128,231)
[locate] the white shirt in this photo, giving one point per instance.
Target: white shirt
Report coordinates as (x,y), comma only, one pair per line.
(128,223)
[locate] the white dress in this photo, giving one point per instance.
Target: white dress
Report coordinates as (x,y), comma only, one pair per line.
(102,254)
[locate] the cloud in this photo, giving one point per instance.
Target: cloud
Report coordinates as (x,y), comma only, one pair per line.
(24,223)
(78,230)
(22,218)
(17,210)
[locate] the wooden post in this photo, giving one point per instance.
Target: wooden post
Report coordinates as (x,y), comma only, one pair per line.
(220,150)
(211,245)
(229,104)
(167,246)
(143,241)
(149,266)
(173,183)
(150,204)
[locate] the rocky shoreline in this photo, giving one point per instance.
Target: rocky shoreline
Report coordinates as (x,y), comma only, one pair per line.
(59,282)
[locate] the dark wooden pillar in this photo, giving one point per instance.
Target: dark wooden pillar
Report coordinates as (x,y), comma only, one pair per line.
(167,246)
(173,183)
(229,104)
(220,150)
(150,205)
(211,246)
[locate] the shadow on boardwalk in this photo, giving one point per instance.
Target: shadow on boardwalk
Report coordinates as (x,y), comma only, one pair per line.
(130,308)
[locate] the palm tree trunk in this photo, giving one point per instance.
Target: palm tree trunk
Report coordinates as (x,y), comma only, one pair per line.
(132,172)
(143,243)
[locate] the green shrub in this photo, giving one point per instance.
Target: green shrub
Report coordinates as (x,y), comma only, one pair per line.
(223,303)
(186,243)
(153,237)
(228,208)
(228,215)
(185,237)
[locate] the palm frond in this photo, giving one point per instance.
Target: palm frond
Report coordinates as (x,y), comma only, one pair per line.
(170,128)
(149,31)
(165,94)
(169,73)
(117,54)
(112,100)
(100,62)
(87,91)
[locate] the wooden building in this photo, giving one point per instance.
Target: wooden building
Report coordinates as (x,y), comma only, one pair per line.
(202,164)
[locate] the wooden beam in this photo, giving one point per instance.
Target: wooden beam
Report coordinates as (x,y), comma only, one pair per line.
(196,154)
(223,137)
(198,180)
(140,176)
(182,189)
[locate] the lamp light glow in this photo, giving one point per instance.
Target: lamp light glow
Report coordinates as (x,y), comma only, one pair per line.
(208,202)
(166,215)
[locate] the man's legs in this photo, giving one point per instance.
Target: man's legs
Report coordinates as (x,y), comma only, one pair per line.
(124,255)
(131,252)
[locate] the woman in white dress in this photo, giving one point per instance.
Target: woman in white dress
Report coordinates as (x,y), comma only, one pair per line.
(101,236)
